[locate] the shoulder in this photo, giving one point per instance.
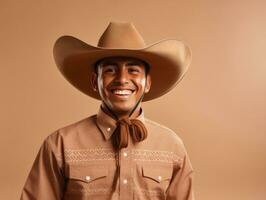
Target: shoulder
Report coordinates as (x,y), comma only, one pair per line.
(70,132)
(161,129)
(88,123)
(165,134)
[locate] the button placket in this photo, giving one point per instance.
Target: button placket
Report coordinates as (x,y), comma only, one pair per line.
(125,173)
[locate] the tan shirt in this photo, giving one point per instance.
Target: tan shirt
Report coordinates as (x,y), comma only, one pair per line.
(78,162)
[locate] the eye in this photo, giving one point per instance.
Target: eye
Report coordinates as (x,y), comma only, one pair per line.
(134,70)
(110,69)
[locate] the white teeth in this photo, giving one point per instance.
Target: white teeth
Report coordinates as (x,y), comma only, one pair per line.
(122,92)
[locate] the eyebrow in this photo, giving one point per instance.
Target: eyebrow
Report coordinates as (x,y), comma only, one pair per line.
(130,63)
(108,63)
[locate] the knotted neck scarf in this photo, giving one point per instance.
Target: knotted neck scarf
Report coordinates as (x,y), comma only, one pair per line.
(126,127)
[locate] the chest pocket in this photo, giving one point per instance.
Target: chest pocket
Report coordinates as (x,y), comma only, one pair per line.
(87,174)
(154,180)
(157,173)
(88,180)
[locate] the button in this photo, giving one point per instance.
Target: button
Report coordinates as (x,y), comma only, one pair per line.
(108,129)
(88,178)
(125,154)
(159,178)
(125,181)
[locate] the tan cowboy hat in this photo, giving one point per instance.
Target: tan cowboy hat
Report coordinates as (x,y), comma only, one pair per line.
(168,59)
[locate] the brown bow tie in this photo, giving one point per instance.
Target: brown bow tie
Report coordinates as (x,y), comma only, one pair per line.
(126,127)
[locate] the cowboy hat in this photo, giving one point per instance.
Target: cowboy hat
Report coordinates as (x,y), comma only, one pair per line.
(168,59)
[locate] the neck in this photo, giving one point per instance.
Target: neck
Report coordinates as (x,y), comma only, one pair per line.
(122,114)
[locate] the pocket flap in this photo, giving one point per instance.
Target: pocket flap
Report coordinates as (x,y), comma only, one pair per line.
(157,173)
(87,173)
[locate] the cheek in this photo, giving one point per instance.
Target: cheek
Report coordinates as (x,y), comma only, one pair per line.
(141,82)
(103,84)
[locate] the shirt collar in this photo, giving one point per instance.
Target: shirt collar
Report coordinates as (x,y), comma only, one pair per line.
(107,124)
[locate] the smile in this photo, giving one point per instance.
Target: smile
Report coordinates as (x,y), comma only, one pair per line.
(124,92)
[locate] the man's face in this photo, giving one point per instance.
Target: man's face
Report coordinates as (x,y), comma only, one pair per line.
(121,82)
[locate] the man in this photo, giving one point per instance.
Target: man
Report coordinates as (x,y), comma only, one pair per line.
(118,153)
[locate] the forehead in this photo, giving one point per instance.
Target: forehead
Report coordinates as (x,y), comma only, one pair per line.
(121,59)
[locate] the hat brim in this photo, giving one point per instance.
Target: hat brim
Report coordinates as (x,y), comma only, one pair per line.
(168,60)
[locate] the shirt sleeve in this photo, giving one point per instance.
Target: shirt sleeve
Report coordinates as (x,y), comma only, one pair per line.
(181,187)
(45,180)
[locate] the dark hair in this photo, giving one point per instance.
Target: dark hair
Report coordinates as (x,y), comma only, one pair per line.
(146,65)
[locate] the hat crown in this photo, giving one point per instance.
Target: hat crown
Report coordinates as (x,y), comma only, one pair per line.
(121,36)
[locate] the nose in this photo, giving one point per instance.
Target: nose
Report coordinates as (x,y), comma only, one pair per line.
(122,76)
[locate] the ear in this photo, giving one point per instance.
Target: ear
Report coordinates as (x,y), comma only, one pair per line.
(148,83)
(93,81)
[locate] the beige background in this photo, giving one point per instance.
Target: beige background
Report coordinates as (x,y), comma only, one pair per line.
(218,109)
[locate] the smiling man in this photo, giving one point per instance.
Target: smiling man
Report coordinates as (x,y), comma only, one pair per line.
(118,153)
(122,83)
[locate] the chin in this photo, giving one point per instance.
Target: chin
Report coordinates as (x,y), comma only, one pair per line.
(122,108)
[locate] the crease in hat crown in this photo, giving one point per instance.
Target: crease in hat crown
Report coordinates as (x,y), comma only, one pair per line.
(121,35)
